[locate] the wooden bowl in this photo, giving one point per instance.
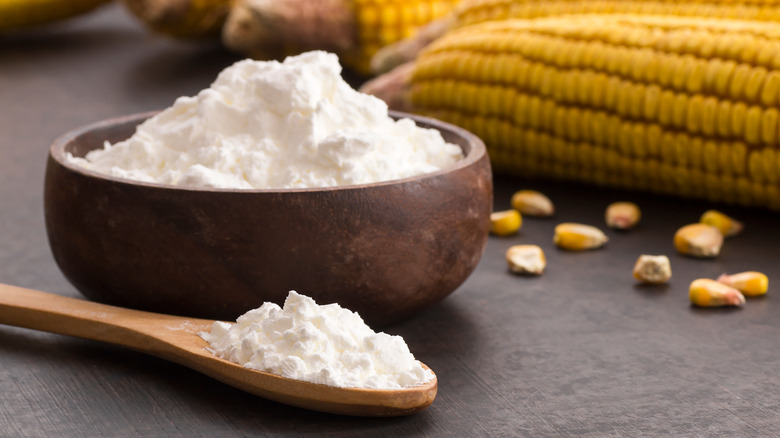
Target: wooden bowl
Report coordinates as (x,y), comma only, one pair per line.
(386,250)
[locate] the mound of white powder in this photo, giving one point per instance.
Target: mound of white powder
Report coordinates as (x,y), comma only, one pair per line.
(272,125)
(326,344)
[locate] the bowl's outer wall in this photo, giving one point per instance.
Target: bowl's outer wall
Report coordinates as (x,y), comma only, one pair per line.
(386,251)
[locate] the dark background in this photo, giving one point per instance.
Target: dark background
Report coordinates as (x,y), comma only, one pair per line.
(580,351)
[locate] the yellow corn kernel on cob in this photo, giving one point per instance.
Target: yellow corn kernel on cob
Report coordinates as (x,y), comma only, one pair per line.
(622,215)
(526,259)
(684,106)
(709,293)
(505,223)
(353,29)
(532,203)
(477,11)
(727,225)
(469,12)
(750,283)
(182,18)
(698,240)
(652,269)
(19,14)
(578,237)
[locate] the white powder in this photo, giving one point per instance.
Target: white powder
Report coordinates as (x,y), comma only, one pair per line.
(272,125)
(326,344)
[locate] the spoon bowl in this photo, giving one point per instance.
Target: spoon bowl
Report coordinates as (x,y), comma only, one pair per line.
(176,339)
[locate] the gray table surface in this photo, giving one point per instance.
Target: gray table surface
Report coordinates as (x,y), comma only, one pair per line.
(579,351)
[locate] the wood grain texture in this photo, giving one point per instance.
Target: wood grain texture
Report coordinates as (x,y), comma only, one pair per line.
(579,351)
(176,339)
(220,253)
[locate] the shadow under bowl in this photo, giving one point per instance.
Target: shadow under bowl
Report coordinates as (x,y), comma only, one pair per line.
(386,250)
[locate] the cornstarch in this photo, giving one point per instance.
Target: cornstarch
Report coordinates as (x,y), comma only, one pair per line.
(275,125)
(326,344)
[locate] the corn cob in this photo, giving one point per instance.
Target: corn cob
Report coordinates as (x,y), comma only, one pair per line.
(354,29)
(673,105)
(182,18)
(477,11)
(19,14)
(470,12)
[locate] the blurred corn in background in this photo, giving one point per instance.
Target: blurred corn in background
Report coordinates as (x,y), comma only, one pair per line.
(21,14)
(476,11)
(182,18)
(353,29)
(470,12)
(674,105)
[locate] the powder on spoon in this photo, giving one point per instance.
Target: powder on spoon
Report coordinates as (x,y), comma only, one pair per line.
(326,344)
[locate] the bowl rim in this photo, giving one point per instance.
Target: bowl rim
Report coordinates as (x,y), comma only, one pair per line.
(476,151)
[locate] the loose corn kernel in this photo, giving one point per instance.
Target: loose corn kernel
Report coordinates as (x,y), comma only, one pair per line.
(709,293)
(526,259)
(698,240)
(653,269)
(532,203)
(750,283)
(505,223)
(728,226)
(622,215)
(577,237)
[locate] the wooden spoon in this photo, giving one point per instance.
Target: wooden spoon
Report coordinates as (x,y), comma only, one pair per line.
(176,339)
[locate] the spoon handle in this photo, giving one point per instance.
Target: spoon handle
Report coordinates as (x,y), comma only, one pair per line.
(143,331)
(175,338)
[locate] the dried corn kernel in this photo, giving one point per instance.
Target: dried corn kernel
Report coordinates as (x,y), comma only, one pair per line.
(653,269)
(578,237)
(709,293)
(622,215)
(532,203)
(526,259)
(698,240)
(505,223)
(750,283)
(728,226)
